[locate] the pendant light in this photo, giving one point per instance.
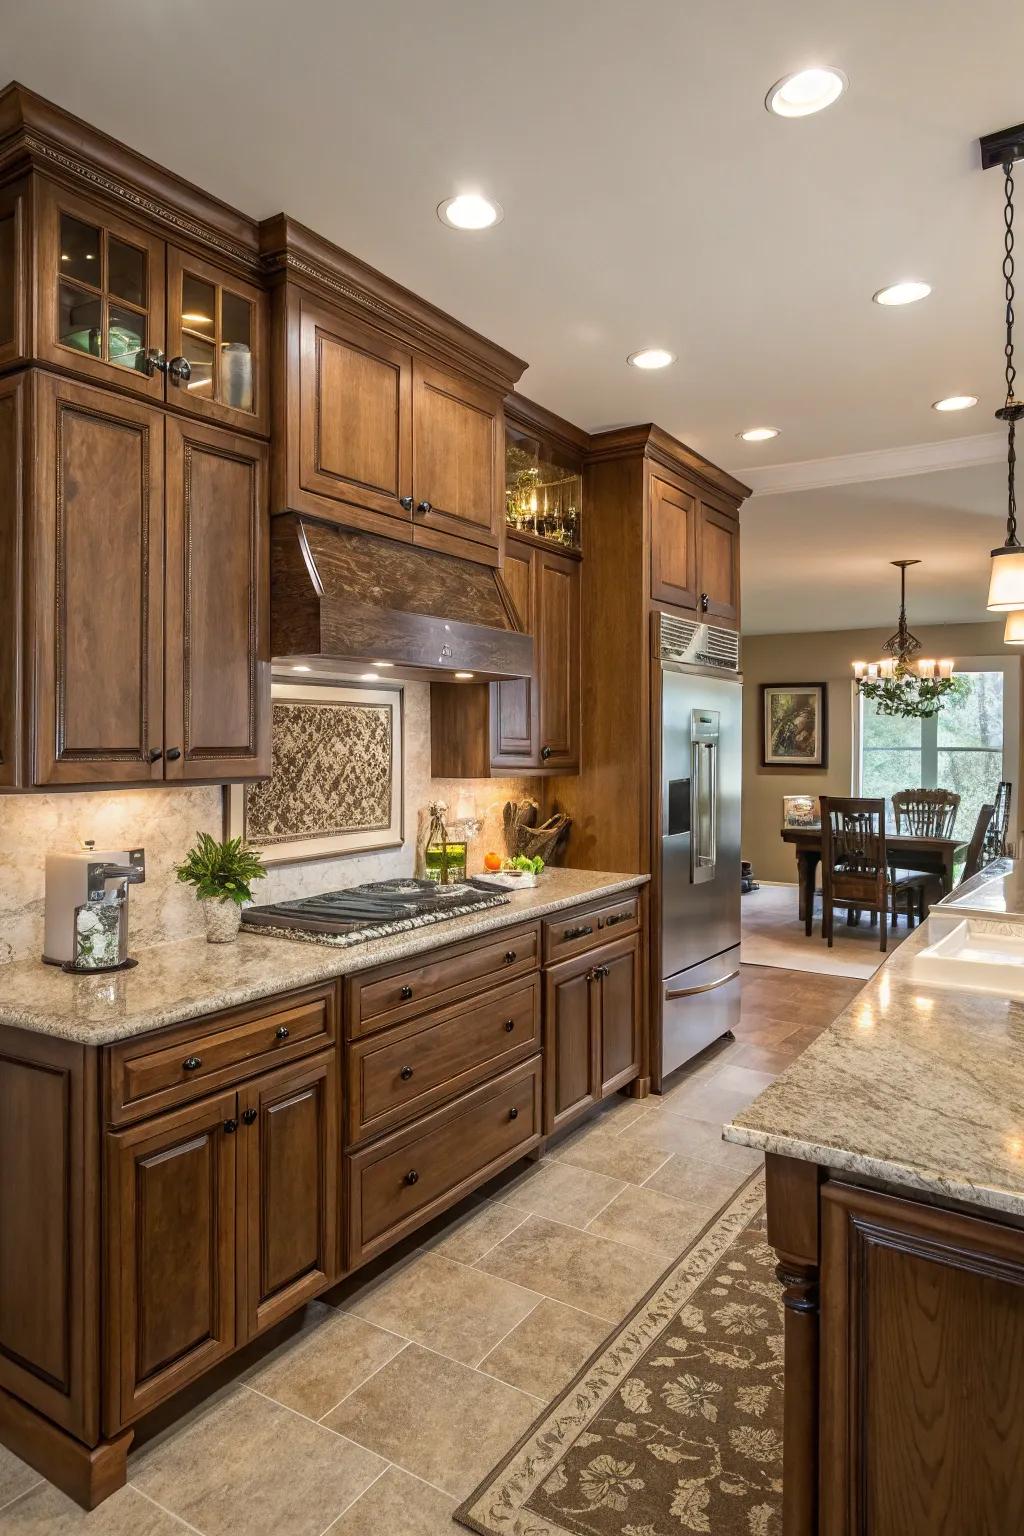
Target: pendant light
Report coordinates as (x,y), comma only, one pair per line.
(900,684)
(1006,586)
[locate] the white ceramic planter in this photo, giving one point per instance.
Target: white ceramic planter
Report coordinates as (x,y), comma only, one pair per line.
(223,919)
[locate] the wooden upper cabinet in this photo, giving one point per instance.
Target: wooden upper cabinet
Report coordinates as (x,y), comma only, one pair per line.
(96,585)
(673,545)
(458,458)
(99,285)
(514,704)
(355,418)
(13,408)
(217,707)
(719,544)
(217,358)
(557,660)
(13,288)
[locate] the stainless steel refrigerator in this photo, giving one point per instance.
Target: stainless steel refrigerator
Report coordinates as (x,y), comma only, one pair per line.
(701,733)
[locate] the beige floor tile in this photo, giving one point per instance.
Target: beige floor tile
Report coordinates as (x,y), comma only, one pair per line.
(398,1504)
(750,1080)
(547,1349)
(448,1307)
(585,1271)
(436,1418)
(561,1192)
(469,1236)
(252,1468)
(762,1058)
(611,1155)
(16,1477)
(650,1221)
(48,1512)
(715,1099)
(699,1185)
(667,1132)
(331,1356)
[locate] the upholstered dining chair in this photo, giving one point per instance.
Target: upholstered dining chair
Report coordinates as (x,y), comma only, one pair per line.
(855,870)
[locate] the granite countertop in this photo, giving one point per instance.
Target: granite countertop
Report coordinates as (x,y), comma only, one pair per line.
(921,1087)
(189,978)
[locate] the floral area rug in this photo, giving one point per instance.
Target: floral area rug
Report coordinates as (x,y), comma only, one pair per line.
(675,1425)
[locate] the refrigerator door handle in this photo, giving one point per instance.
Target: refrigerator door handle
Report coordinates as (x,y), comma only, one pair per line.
(703,811)
(707,986)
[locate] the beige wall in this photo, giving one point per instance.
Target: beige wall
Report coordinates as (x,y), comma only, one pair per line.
(812,658)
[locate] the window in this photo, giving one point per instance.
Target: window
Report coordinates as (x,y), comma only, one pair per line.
(967,747)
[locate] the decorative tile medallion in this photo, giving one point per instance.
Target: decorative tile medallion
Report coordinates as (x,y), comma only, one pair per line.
(335,784)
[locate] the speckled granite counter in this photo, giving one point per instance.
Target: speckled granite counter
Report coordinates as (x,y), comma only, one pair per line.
(921,1087)
(187,979)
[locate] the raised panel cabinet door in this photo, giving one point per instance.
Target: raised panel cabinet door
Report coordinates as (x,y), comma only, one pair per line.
(618,966)
(217,326)
(355,408)
(572,1046)
(922,1369)
(13,286)
(171,1246)
(720,564)
(673,545)
(458,460)
(99,293)
(291,1146)
(217,714)
(97,586)
(13,410)
(514,704)
(557,662)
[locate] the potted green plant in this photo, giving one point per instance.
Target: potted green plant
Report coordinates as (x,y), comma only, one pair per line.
(222,874)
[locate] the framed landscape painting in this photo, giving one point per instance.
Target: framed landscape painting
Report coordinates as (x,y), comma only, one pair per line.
(794,725)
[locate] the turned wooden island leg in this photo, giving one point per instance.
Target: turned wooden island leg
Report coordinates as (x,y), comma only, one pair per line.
(793,1231)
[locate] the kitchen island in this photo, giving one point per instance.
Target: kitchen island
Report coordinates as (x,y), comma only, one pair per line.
(895,1172)
(194,1149)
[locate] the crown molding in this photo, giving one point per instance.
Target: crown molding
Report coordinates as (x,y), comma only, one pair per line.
(879,464)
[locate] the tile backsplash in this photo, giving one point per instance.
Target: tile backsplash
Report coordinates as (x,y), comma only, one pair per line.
(165,822)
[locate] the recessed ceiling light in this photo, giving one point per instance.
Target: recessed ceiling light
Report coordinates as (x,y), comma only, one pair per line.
(469,211)
(758,434)
(301,669)
(806,91)
(368,677)
(955,403)
(651,357)
(902,293)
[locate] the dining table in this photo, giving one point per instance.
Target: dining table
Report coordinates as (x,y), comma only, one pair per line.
(905,850)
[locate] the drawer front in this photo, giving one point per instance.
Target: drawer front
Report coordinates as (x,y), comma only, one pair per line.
(396,1075)
(175,1065)
(390,996)
(404,1179)
(570,933)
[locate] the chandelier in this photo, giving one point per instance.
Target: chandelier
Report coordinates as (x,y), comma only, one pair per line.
(1006,587)
(901,683)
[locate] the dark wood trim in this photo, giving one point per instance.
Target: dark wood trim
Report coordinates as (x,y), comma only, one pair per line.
(525,415)
(87,1474)
(657,444)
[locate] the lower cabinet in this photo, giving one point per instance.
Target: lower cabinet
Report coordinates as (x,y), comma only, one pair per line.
(221,1219)
(592,1029)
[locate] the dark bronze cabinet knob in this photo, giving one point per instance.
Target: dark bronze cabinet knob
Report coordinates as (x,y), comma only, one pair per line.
(412,1177)
(405,994)
(173,753)
(230,1127)
(406,502)
(510,1025)
(192,1063)
(601,971)
(513,1113)
(155,754)
(152,361)
(510,955)
(423,506)
(704,600)
(405,1074)
(248,1117)
(281,1032)
(179,370)
(545,753)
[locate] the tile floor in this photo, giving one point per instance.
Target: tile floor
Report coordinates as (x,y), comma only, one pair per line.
(386,1409)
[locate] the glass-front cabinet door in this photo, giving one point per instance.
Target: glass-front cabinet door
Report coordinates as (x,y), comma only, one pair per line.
(216,344)
(100,294)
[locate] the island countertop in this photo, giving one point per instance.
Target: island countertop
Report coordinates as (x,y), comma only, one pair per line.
(921,1087)
(188,978)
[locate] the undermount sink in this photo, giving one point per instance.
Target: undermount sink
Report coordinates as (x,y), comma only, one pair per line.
(983,954)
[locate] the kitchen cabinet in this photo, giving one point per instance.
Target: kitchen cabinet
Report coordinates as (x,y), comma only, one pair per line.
(13,262)
(673,545)
(217,363)
(719,541)
(458,451)
(592,1029)
(144,637)
(527,725)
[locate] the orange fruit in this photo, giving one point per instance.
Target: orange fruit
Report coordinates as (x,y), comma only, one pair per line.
(492,861)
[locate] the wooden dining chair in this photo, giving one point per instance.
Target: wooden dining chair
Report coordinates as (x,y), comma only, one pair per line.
(925,812)
(978,854)
(995,843)
(855,870)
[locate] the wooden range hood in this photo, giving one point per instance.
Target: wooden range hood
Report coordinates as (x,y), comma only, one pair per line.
(342,599)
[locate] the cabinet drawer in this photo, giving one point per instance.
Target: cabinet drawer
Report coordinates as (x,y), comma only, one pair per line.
(178,1064)
(399,992)
(399,1182)
(401,1073)
(570,933)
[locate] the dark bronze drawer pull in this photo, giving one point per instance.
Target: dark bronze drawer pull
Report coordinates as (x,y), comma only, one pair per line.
(248,1117)
(510,955)
(412,1177)
(281,1032)
(580,932)
(510,1025)
(405,1074)
(600,971)
(192,1063)
(405,994)
(513,1113)
(230,1127)
(617,917)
